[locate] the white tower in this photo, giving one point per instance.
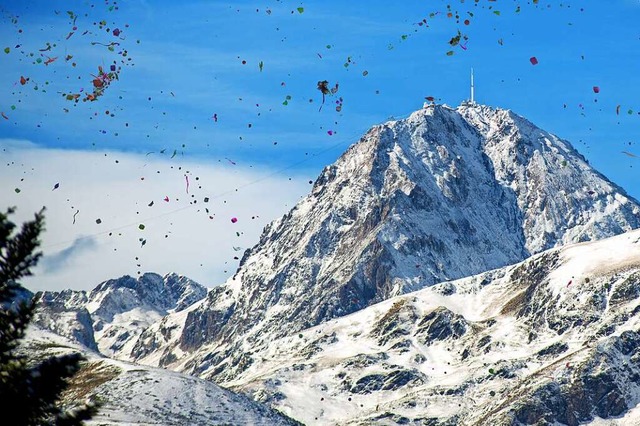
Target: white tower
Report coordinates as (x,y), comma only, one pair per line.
(472,100)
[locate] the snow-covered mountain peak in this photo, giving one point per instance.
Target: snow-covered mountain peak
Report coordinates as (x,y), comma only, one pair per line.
(443,194)
(110,317)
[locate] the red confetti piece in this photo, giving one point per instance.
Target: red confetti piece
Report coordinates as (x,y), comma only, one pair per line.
(234,219)
(50,60)
(4,115)
(534,60)
(166,198)
(596,89)
(330,132)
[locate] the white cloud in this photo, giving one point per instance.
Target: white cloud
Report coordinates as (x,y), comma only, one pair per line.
(117,188)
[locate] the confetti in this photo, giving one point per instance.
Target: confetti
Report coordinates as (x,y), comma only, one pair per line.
(166,198)
(630,154)
(300,9)
(596,89)
(50,60)
(141,227)
(74,216)
(260,65)
(533,60)
(234,219)
(187,179)
(98,221)
(56,186)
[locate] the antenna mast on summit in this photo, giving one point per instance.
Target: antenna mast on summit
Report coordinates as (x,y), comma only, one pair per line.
(472,101)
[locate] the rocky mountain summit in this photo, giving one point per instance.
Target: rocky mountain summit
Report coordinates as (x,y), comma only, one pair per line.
(443,194)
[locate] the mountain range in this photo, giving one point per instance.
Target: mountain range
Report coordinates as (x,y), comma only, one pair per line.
(440,238)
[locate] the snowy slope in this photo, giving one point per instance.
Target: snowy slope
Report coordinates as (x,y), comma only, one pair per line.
(112,316)
(443,194)
(133,394)
(555,338)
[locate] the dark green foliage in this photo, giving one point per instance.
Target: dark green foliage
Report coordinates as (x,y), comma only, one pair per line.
(29,394)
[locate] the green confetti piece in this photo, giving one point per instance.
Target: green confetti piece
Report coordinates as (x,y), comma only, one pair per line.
(39,60)
(496,12)
(141,227)
(285,103)
(261,65)
(630,112)
(450,53)
(328,46)
(404,36)
(365,73)
(564,163)
(13,107)
(7,50)
(300,9)
(17,190)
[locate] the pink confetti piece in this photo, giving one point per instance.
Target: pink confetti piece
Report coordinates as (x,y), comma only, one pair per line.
(533,60)
(330,132)
(234,219)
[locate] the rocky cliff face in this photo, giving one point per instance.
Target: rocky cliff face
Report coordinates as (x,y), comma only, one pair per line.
(443,194)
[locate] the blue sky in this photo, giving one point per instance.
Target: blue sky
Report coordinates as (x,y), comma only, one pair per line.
(185,64)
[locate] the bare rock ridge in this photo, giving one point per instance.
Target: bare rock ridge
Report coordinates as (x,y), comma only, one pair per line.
(443,194)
